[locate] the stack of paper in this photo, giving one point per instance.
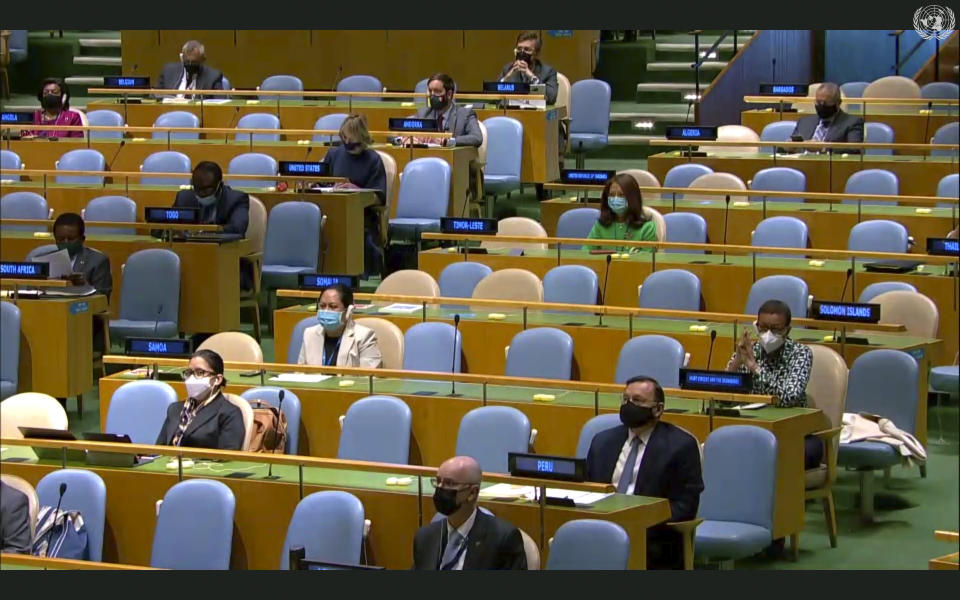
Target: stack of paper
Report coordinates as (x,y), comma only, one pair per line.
(505,490)
(401,308)
(60,263)
(301,377)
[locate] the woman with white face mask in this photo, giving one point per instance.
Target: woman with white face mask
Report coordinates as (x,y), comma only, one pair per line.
(206,419)
(337,340)
(621,216)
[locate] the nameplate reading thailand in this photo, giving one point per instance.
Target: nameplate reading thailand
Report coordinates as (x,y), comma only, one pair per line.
(412,124)
(25,270)
(586,176)
(12,117)
(309,169)
(715,381)
(162,214)
(506,87)
(845,311)
(467,225)
(173,348)
(943,246)
(691,133)
(784,89)
(319,281)
(546,467)
(133,83)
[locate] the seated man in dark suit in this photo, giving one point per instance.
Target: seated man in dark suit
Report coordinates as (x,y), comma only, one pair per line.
(467,539)
(528,68)
(190,73)
(90,267)
(219,203)
(460,121)
(830,124)
(648,457)
(14,521)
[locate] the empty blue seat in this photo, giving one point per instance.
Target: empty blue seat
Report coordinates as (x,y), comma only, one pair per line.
(105,118)
(138,409)
(878,133)
(431,346)
(778,131)
(684,227)
(194,529)
(875,289)
(577,223)
(872,181)
(589,115)
(10,160)
(290,407)
(779,179)
(281,83)
(291,245)
(81,160)
(359,83)
(682,176)
(330,122)
(878,235)
(541,352)
(258,121)
(167,161)
(149,295)
(9,348)
(589,545)
(854,89)
(115,209)
(422,200)
(252,163)
(328,526)
(489,433)
(376,429)
(177,118)
(592,427)
(940,90)
(86,493)
(671,289)
(947,134)
(570,284)
(656,356)
(421,87)
(948,187)
(780,232)
(788,289)
(458,279)
(24,205)
(296,338)
(504,155)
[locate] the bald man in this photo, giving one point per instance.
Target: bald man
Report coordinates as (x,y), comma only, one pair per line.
(191,73)
(830,124)
(467,539)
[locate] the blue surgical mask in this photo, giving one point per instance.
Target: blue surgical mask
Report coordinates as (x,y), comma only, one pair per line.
(329,319)
(618,204)
(208,200)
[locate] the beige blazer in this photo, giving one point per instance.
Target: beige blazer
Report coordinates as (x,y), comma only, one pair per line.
(357,349)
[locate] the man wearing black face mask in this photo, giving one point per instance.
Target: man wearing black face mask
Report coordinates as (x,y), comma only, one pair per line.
(467,539)
(648,457)
(190,73)
(527,66)
(460,121)
(219,203)
(830,123)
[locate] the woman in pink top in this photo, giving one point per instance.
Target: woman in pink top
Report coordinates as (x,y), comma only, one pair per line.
(54,99)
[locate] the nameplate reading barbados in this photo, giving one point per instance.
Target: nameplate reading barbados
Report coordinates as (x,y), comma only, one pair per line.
(715,381)
(25,270)
(784,89)
(468,225)
(412,124)
(845,311)
(593,177)
(172,348)
(321,281)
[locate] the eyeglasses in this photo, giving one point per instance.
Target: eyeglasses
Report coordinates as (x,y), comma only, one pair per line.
(638,401)
(775,330)
(449,483)
(196,373)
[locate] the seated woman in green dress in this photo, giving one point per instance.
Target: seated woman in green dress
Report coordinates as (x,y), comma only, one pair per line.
(621,216)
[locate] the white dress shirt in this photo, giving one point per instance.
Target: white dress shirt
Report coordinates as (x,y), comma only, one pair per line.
(463,530)
(625,452)
(183,84)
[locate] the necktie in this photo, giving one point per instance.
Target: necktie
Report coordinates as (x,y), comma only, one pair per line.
(439,122)
(820,132)
(451,555)
(627,472)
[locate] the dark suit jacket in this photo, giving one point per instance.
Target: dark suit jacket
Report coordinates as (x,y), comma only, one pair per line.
(207,79)
(844,128)
(95,266)
(232,209)
(459,121)
(544,72)
(492,544)
(670,467)
(218,425)
(14,520)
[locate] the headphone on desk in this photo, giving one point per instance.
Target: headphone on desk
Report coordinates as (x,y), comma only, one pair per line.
(64,91)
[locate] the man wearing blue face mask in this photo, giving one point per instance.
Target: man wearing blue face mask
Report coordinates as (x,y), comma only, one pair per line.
(219,203)
(337,340)
(460,121)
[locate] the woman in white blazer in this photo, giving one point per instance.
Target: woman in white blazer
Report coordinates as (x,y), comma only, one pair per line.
(337,340)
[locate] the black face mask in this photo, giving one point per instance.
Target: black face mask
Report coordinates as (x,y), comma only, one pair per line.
(50,102)
(191,68)
(352,147)
(632,415)
(437,102)
(445,501)
(524,56)
(825,111)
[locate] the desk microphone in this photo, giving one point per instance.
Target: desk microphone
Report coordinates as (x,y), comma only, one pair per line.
(774,60)
(843,294)
(112,159)
(726,218)
(336,79)
(233,119)
(713,338)
(156,323)
(926,124)
(453,359)
(63,490)
(274,440)
(603,297)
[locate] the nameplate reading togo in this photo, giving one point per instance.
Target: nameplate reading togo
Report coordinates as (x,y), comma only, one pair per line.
(163,214)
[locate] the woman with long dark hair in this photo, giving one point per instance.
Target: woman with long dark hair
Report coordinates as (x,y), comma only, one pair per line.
(621,215)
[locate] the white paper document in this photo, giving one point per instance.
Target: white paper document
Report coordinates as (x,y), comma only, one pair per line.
(506,490)
(216,100)
(301,377)
(401,308)
(60,263)
(753,406)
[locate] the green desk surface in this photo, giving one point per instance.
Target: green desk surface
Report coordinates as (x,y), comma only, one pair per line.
(393,103)
(537,318)
(786,160)
(102,237)
(340,478)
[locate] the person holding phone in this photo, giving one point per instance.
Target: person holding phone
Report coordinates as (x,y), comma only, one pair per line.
(527,67)
(337,340)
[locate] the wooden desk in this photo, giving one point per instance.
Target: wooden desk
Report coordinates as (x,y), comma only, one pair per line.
(56,344)
(828,226)
(907,128)
(558,423)
(395,512)
(26,562)
(209,274)
(40,154)
(917,177)
(541,131)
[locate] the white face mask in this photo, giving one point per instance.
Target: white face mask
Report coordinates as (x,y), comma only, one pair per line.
(770,341)
(198,388)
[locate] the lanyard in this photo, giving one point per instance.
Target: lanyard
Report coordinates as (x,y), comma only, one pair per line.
(332,361)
